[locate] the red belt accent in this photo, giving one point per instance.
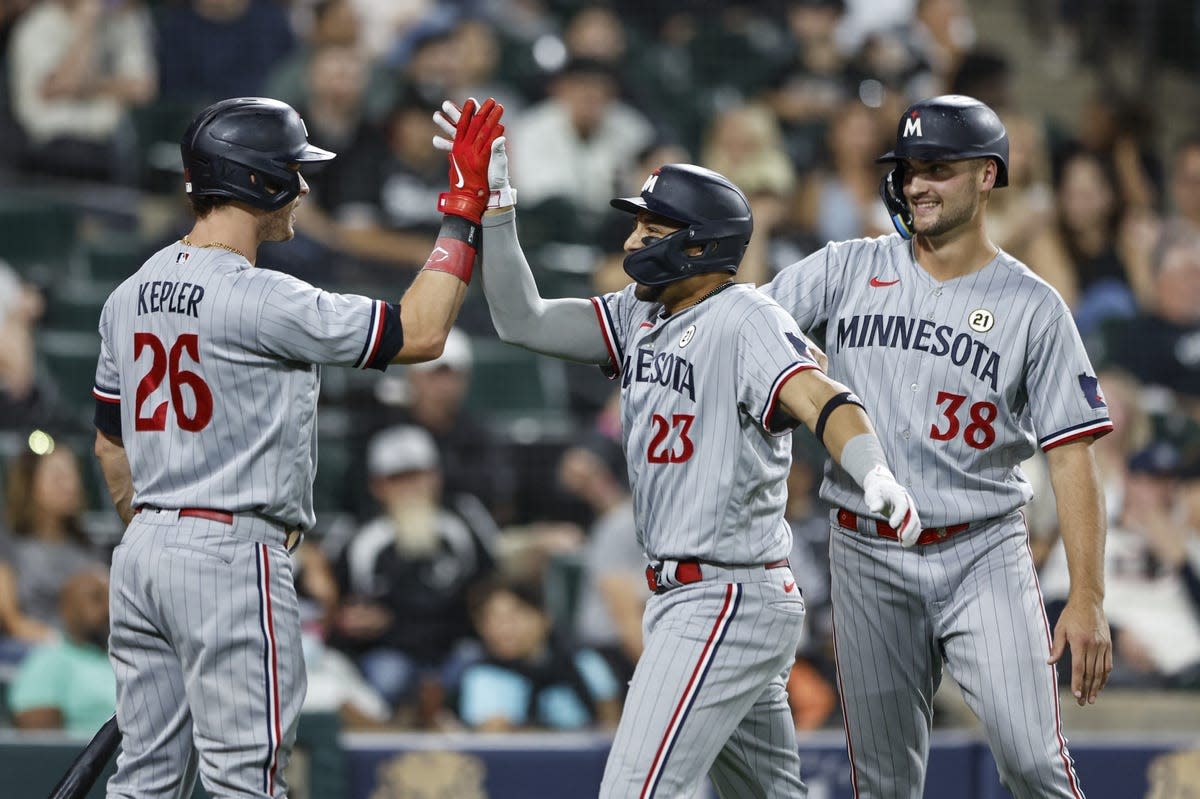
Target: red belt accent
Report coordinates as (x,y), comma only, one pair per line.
(688,571)
(930,535)
(205,513)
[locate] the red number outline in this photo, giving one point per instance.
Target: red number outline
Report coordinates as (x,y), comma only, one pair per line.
(164,365)
(157,420)
(656,453)
(951,414)
(979,422)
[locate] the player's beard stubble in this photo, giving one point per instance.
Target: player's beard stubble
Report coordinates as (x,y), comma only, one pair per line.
(952,213)
(279,225)
(648,293)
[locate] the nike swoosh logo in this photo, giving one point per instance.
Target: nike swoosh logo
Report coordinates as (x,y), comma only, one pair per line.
(454,164)
(788,586)
(877,283)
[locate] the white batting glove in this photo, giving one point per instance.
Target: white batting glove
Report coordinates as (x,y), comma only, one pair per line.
(887,497)
(501,191)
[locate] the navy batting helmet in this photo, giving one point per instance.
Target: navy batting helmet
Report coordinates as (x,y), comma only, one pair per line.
(952,127)
(715,215)
(241,149)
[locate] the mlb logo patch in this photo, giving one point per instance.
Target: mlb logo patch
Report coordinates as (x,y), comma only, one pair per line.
(1090,387)
(182,257)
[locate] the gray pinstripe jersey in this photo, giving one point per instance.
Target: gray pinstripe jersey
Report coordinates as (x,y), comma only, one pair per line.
(214,365)
(707,450)
(979,370)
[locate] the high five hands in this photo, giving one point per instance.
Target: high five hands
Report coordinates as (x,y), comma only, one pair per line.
(474,134)
(450,120)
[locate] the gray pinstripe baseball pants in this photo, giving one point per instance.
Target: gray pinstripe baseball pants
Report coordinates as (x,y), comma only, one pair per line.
(205,644)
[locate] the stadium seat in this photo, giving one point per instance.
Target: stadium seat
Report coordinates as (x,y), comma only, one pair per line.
(37,236)
(115,257)
(521,394)
(75,305)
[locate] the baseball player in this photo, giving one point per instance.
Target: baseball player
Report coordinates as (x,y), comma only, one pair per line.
(713,378)
(966,361)
(206,392)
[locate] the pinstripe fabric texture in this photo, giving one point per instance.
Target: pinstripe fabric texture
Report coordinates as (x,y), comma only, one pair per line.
(974,597)
(707,477)
(259,337)
(963,379)
(707,461)
(708,695)
(213,366)
(220,599)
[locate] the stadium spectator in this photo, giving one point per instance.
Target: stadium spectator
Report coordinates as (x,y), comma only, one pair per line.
(1160,346)
(1155,618)
(1119,127)
(69,684)
(45,503)
(1080,255)
(22,401)
(212,49)
(1185,183)
(569,150)
(1024,211)
(335,684)
(377,202)
(335,23)
(18,632)
(479,60)
(612,588)
(474,461)
(814,80)
(77,67)
(529,678)
(745,144)
(404,576)
(842,196)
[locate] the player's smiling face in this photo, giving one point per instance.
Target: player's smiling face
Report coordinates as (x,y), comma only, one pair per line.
(943,195)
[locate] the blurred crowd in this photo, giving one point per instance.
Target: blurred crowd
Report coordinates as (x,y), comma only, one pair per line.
(469,572)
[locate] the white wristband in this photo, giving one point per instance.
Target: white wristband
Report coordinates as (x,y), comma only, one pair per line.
(499,198)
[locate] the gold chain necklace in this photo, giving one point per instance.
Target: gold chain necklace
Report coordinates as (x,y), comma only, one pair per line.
(222,245)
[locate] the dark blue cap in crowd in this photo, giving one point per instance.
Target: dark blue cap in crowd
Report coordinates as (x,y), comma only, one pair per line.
(1158,459)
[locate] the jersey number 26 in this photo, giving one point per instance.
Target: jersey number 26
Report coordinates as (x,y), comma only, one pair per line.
(166,365)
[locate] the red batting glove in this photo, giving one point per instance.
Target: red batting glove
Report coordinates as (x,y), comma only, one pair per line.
(477,129)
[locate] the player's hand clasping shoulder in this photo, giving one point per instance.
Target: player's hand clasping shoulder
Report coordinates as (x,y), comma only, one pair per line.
(475,132)
(886,496)
(501,193)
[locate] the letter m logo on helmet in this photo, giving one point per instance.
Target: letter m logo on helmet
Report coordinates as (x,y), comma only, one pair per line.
(912,126)
(648,186)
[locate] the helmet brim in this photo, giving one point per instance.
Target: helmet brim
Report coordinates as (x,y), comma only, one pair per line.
(311,154)
(630,205)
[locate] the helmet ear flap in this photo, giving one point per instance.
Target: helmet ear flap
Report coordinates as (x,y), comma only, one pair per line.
(891,190)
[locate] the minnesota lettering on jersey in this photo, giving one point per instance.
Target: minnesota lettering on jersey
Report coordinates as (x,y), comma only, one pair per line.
(167,295)
(664,369)
(925,335)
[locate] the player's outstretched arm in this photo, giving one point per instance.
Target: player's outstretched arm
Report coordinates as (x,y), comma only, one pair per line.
(431,304)
(1081,520)
(838,420)
(110,451)
(564,328)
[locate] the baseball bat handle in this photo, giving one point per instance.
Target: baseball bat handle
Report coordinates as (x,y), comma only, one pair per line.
(86,767)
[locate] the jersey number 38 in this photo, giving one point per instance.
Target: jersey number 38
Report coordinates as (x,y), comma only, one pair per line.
(166,364)
(979,433)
